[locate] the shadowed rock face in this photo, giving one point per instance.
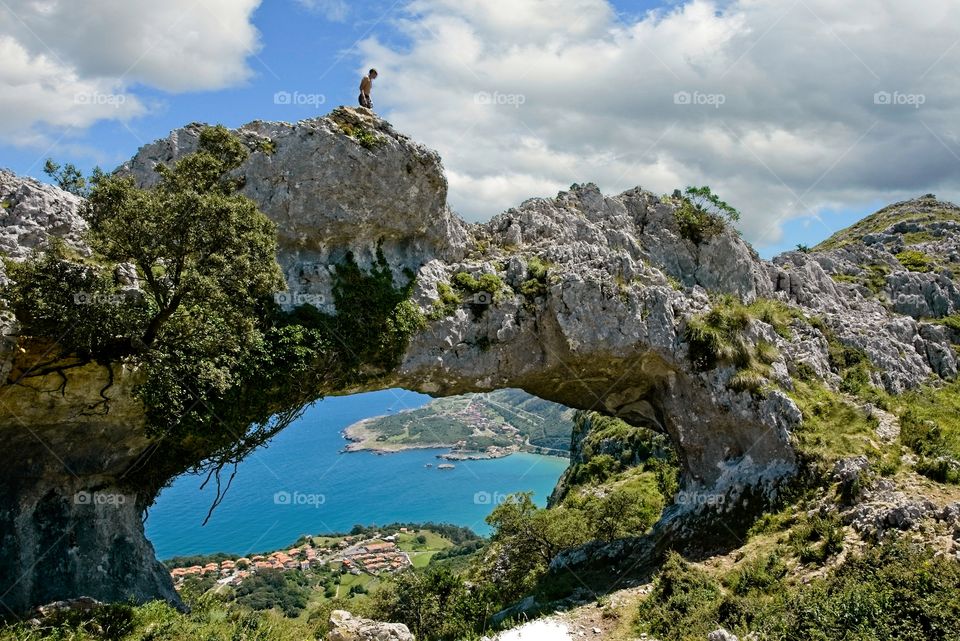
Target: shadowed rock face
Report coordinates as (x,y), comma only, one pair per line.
(604,330)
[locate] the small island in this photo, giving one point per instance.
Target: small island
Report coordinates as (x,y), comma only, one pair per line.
(470,427)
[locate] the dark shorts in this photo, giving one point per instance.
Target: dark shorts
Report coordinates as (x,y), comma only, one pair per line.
(365,102)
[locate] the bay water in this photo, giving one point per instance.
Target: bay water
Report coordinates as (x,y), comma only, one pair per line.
(301,483)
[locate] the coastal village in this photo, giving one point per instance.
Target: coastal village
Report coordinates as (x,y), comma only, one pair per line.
(356,555)
(488,426)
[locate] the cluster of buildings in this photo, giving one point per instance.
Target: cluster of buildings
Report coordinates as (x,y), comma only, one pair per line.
(374,557)
(351,554)
(479,419)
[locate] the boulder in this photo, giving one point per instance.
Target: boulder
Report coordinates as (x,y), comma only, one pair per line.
(346,627)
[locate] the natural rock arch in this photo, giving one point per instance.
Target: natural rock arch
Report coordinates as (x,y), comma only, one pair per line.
(603,330)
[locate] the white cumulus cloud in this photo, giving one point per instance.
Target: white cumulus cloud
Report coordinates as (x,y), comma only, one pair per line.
(68,64)
(785,108)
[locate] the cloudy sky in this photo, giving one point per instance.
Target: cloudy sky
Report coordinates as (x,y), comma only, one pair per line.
(806,114)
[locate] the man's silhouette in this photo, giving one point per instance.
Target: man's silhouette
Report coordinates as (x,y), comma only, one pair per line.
(365,86)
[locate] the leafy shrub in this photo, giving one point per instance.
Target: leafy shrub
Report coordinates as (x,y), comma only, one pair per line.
(916,261)
(761,573)
(463,549)
(526,538)
(817,538)
(490,283)
(267,146)
(682,604)
(536,283)
(702,214)
(435,604)
(447,303)
(892,592)
(269,589)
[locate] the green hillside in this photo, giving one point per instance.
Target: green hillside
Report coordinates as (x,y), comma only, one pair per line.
(510,419)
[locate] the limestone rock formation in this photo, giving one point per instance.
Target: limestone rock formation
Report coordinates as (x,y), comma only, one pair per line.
(31,212)
(882,285)
(346,627)
(327,193)
(586,301)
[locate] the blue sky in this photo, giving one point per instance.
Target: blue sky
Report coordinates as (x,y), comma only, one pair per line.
(799,143)
(302,50)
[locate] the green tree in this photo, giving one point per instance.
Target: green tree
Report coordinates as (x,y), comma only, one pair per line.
(67,177)
(621,512)
(702,214)
(526,538)
(194,240)
(435,604)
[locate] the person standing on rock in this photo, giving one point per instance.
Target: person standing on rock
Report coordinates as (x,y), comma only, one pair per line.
(365,86)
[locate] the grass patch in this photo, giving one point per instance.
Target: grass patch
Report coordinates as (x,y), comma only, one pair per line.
(930,427)
(918,237)
(815,539)
(717,337)
(873,277)
(832,427)
(916,261)
(952,323)
(881,221)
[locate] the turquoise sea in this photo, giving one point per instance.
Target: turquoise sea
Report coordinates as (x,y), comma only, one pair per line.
(301,483)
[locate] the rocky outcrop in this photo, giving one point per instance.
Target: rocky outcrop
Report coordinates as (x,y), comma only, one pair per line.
(31,212)
(881,286)
(587,301)
(327,193)
(346,627)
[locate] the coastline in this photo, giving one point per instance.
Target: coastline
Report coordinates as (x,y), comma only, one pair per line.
(359,439)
